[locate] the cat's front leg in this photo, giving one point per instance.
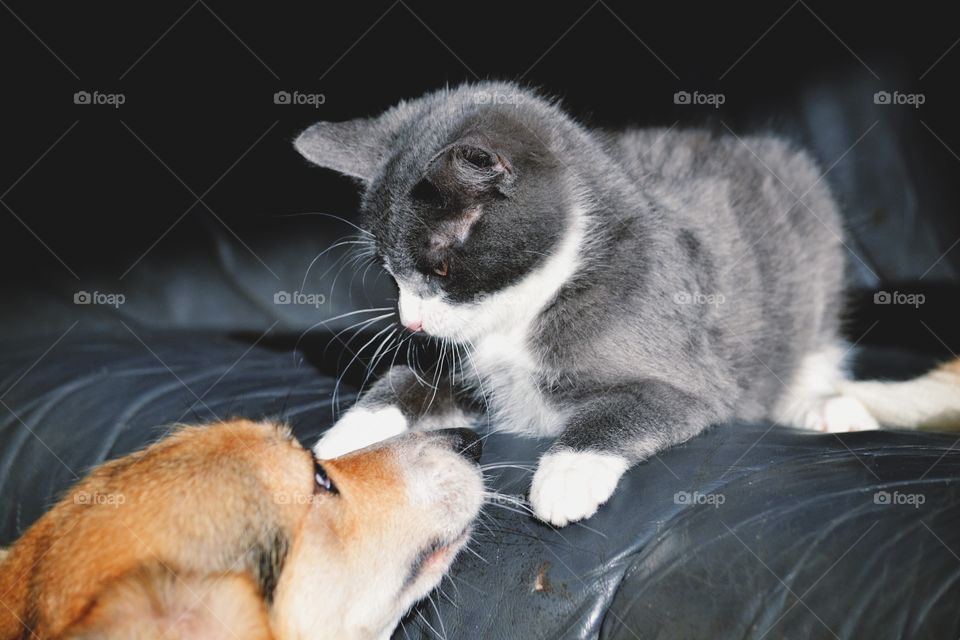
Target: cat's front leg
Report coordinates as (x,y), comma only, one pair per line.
(606,435)
(395,403)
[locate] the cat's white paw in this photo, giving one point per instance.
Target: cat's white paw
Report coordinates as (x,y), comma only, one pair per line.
(358,428)
(836,414)
(845,413)
(571,485)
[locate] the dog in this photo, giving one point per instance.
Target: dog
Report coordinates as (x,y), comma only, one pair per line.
(235,531)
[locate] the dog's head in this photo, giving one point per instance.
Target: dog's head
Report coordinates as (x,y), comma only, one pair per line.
(238,517)
(383,531)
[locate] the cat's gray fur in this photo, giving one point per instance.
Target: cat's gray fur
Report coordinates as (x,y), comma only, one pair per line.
(708,268)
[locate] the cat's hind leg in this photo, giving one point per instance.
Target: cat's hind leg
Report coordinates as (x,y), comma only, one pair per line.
(813,400)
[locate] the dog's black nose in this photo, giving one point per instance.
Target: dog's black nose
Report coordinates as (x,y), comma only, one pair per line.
(465,442)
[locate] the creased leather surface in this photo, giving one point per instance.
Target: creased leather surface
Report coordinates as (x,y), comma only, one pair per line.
(798,546)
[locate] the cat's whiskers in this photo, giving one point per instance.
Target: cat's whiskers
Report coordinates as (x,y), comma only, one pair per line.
(327,215)
(336,388)
(296,346)
(354,259)
(494,466)
(413,360)
(357,328)
(347,241)
(483,394)
(378,355)
(439,370)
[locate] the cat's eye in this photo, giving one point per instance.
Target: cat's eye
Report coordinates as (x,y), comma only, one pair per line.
(441,268)
(321,481)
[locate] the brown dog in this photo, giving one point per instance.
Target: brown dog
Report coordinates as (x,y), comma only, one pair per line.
(235,531)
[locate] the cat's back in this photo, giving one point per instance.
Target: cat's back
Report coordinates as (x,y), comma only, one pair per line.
(760,189)
(672,156)
(754,224)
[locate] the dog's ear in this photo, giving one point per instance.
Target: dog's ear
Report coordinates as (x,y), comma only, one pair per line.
(17,566)
(354,147)
(153,603)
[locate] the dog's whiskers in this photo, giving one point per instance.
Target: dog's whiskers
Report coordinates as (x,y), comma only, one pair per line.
(436,610)
(482,559)
(430,626)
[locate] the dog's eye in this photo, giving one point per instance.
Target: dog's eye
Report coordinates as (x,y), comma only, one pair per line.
(321,480)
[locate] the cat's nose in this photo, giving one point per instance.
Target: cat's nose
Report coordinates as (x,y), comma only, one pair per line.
(414,326)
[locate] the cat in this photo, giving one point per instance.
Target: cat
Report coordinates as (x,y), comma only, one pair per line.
(619,292)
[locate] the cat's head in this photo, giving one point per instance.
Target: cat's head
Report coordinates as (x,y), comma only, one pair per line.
(470,199)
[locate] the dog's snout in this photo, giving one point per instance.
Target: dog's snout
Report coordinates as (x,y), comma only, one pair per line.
(465,442)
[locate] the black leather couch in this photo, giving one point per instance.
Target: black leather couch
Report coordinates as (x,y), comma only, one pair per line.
(750,530)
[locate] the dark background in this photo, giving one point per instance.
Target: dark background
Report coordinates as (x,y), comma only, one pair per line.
(105,195)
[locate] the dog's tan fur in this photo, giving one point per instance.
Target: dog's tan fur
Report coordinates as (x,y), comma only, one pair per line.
(221,528)
(154,603)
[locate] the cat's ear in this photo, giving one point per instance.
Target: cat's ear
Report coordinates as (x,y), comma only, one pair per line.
(353,148)
(471,169)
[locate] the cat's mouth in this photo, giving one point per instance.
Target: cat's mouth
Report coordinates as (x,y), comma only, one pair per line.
(435,317)
(413,310)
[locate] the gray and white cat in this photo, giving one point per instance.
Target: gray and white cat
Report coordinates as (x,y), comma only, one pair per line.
(617,291)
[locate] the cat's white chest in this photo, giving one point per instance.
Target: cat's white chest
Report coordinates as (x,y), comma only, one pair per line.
(507,375)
